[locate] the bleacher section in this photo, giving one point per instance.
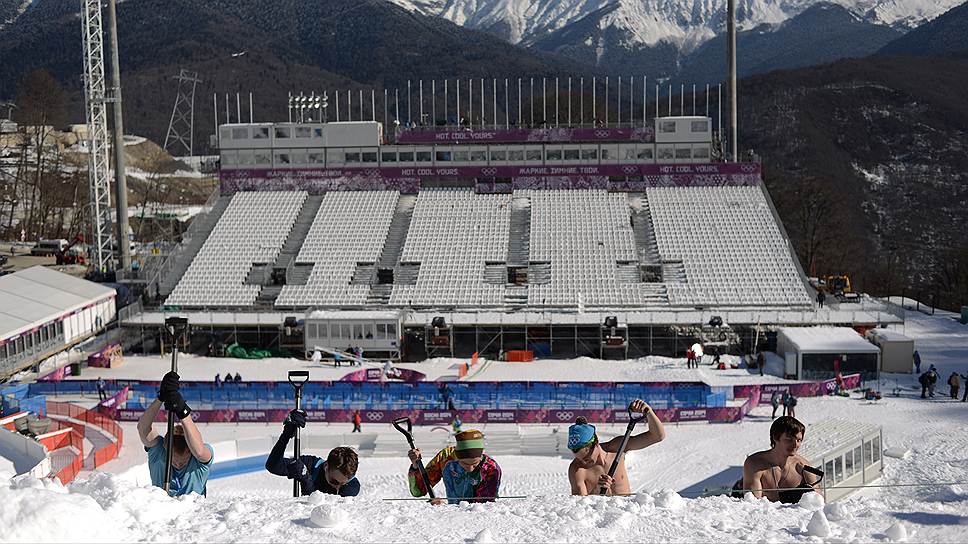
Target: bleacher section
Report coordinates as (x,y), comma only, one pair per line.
(452,234)
(250,231)
(666,248)
(351,227)
(584,235)
(730,245)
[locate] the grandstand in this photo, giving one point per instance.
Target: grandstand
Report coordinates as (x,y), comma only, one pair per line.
(480,253)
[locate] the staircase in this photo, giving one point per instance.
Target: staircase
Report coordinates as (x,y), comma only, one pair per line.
(193,240)
(262,274)
(390,256)
(297,236)
(643,230)
(673,272)
(519,252)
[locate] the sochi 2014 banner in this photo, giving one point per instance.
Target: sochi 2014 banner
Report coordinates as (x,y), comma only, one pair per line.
(446,417)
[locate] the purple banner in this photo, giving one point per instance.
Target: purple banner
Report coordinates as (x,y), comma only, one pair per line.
(633,177)
(526,135)
(806,389)
(376,374)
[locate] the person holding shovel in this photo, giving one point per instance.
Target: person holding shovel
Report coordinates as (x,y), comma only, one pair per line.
(334,475)
(468,473)
(589,471)
(191,457)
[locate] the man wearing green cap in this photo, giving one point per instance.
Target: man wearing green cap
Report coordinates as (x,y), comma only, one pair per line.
(468,474)
(588,472)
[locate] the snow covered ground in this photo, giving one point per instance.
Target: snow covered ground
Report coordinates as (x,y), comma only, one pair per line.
(667,477)
(652,368)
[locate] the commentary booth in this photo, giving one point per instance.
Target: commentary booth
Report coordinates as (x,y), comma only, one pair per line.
(376,332)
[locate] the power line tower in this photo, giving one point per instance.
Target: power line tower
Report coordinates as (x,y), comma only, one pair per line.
(181,133)
(97,129)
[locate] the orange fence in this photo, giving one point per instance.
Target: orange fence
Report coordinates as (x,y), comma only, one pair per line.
(96,417)
(69,472)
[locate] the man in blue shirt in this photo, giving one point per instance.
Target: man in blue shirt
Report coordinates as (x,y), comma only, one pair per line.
(335,475)
(191,457)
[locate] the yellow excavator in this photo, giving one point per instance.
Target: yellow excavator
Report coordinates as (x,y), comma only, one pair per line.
(840,287)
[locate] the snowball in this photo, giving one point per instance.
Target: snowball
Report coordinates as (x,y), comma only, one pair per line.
(669,499)
(316,498)
(644,499)
(811,501)
(836,512)
(897,532)
(897,453)
(483,537)
(818,525)
(328,516)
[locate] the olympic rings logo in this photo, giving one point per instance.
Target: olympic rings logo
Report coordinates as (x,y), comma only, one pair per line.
(564,416)
(374,416)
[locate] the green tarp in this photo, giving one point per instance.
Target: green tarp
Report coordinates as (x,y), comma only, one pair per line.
(237,351)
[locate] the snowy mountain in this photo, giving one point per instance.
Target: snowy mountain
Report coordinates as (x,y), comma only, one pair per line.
(683,23)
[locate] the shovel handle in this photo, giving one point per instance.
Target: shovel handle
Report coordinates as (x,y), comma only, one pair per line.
(408,433)
(301,377)
(625,442)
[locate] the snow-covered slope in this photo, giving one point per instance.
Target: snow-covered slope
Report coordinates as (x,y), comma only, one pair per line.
(685,23)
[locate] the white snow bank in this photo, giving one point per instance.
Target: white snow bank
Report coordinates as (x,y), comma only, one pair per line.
(107,508)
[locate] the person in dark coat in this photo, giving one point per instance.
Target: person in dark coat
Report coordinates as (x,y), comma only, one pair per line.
(821,297)
(917,362)
(954,384)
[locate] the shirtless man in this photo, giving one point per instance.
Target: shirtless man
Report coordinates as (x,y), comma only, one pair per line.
(589,470)
(767,473)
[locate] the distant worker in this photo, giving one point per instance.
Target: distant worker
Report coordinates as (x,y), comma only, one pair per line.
(102,389)
(335,475)
(456,424)
(780,474)
(218,380)
(238,378)
(917,362)
(790,405)
(191,457)
(954,384)
(821,297)
(588,471)
(228,378)
(357,422)
(964,396)
(775,402)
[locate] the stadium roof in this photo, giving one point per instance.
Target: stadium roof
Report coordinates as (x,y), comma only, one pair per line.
(37,295)
(828,340)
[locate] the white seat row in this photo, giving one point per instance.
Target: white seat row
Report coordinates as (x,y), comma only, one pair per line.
(251,230)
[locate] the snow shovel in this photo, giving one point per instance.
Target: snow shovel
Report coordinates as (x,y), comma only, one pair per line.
(175,326)
(301,377)
(408,433)
(621,449)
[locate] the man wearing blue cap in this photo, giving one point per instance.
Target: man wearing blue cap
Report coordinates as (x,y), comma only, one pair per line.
(588,472)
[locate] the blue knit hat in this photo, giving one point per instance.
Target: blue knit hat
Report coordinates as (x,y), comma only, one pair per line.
(580,435)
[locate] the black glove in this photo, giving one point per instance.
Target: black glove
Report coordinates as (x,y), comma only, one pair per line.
(176,405)
(296,418)
(296,470)
(169,385)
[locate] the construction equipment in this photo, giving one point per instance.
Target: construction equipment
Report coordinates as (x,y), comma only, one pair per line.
(840,287)
(70,254)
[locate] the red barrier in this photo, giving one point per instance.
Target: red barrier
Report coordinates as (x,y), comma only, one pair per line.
(69,472)
(100,416)
(519,356)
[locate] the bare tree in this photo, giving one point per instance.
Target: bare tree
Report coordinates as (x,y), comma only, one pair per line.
(42,107)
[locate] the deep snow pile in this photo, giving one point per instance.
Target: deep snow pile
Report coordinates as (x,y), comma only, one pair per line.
(106,508)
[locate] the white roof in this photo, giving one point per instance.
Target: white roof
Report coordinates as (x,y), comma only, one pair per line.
(34,296)
(828,340)
(888,335)
(355,314)
(828,435)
